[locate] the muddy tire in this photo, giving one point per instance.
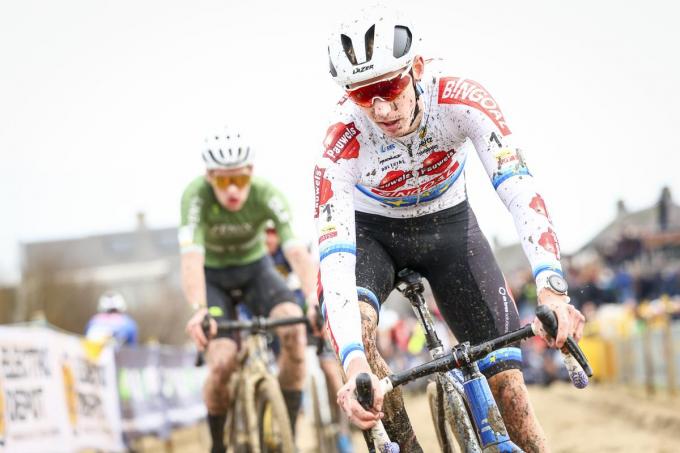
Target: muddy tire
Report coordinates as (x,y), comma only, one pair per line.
(273,424)
(447,440)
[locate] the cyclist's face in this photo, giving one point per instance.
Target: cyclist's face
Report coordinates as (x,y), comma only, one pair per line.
(231,187)
(395,117)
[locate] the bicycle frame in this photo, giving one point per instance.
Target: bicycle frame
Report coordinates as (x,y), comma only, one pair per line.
(254,367)
(488,429)
(411,286)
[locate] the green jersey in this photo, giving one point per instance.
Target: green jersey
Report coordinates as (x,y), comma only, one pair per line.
(231,238)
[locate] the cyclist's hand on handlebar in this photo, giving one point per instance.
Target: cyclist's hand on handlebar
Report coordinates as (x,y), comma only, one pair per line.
(570,321)
(195,330)
(347,400)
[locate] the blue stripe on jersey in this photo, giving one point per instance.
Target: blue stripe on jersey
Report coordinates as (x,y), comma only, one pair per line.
(547,267)
(500,355)
(502,177)
(337,248)
(349,348)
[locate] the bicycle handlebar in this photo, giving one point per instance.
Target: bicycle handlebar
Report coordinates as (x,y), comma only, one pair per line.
(257,324)
(575,360)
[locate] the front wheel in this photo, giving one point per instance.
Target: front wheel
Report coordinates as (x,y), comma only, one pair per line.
(447,440)
(274,431)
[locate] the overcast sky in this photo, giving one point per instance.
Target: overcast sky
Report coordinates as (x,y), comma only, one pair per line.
(104,104)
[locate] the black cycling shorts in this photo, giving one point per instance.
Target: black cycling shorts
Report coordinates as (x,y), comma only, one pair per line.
(450,251)
(258,286)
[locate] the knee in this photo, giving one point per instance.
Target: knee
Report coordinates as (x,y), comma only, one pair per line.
(508,385)
(222,358)
(293,337)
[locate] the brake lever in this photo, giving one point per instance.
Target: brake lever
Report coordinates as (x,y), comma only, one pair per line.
(575,360)
(364,390)
(205,327)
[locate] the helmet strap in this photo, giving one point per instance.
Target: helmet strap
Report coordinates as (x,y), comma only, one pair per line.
(418,91)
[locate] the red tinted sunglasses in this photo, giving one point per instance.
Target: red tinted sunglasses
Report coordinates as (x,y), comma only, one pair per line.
(386,90)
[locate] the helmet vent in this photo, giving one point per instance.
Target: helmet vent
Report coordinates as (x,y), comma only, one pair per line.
(368,42)
(334,72)
(349,49)
(402,41)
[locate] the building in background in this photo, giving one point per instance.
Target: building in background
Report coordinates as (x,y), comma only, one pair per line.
(64,278)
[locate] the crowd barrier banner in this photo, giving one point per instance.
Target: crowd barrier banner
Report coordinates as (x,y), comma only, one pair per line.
(54,395)
(160,390)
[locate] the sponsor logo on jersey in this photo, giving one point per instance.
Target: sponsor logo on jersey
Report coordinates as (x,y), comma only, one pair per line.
(394,179)
(426,191)
(538,205)
(230,229)
(455,90)
(548,241)
(437,163)
(341,142)
(328,232)
(386,148)
(327,236)
(509,163)
(323,190)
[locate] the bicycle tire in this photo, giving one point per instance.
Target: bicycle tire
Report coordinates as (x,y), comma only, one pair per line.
(236,424)
(447,440)
(273,424)
(325,438)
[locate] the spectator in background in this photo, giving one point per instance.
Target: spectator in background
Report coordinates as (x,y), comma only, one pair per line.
(112,321)
(282,265)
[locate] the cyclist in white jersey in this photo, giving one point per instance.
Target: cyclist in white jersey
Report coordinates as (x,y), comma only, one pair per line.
(390,193)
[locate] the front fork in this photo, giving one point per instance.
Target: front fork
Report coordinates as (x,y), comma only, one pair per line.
(490,427)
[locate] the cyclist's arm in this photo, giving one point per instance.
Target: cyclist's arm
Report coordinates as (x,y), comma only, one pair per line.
(510,176)
(191,243)
(334,213)
(193,278)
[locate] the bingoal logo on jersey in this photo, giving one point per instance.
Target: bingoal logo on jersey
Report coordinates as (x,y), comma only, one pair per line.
(341,142)
(455,90)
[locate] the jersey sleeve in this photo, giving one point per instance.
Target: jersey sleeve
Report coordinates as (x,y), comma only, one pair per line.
(280,214)
(334,182)
(507,168)
(191,232)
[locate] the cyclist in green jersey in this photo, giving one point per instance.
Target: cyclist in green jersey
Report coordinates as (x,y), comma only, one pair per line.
(224,213)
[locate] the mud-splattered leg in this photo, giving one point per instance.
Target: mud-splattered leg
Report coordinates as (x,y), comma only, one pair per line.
(397,423)
(513,401)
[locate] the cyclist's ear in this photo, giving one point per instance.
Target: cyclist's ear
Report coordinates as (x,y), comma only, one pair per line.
(418,67)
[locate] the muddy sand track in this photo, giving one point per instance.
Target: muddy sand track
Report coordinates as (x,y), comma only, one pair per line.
(597,419)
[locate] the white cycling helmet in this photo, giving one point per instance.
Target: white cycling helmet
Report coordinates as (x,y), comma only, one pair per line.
(226,150)
(111,300)
(375,41)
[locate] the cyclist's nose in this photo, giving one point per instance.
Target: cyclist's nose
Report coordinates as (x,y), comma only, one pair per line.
(381,108)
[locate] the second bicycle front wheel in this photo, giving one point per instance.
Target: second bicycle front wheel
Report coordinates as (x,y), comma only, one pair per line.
(274,431)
